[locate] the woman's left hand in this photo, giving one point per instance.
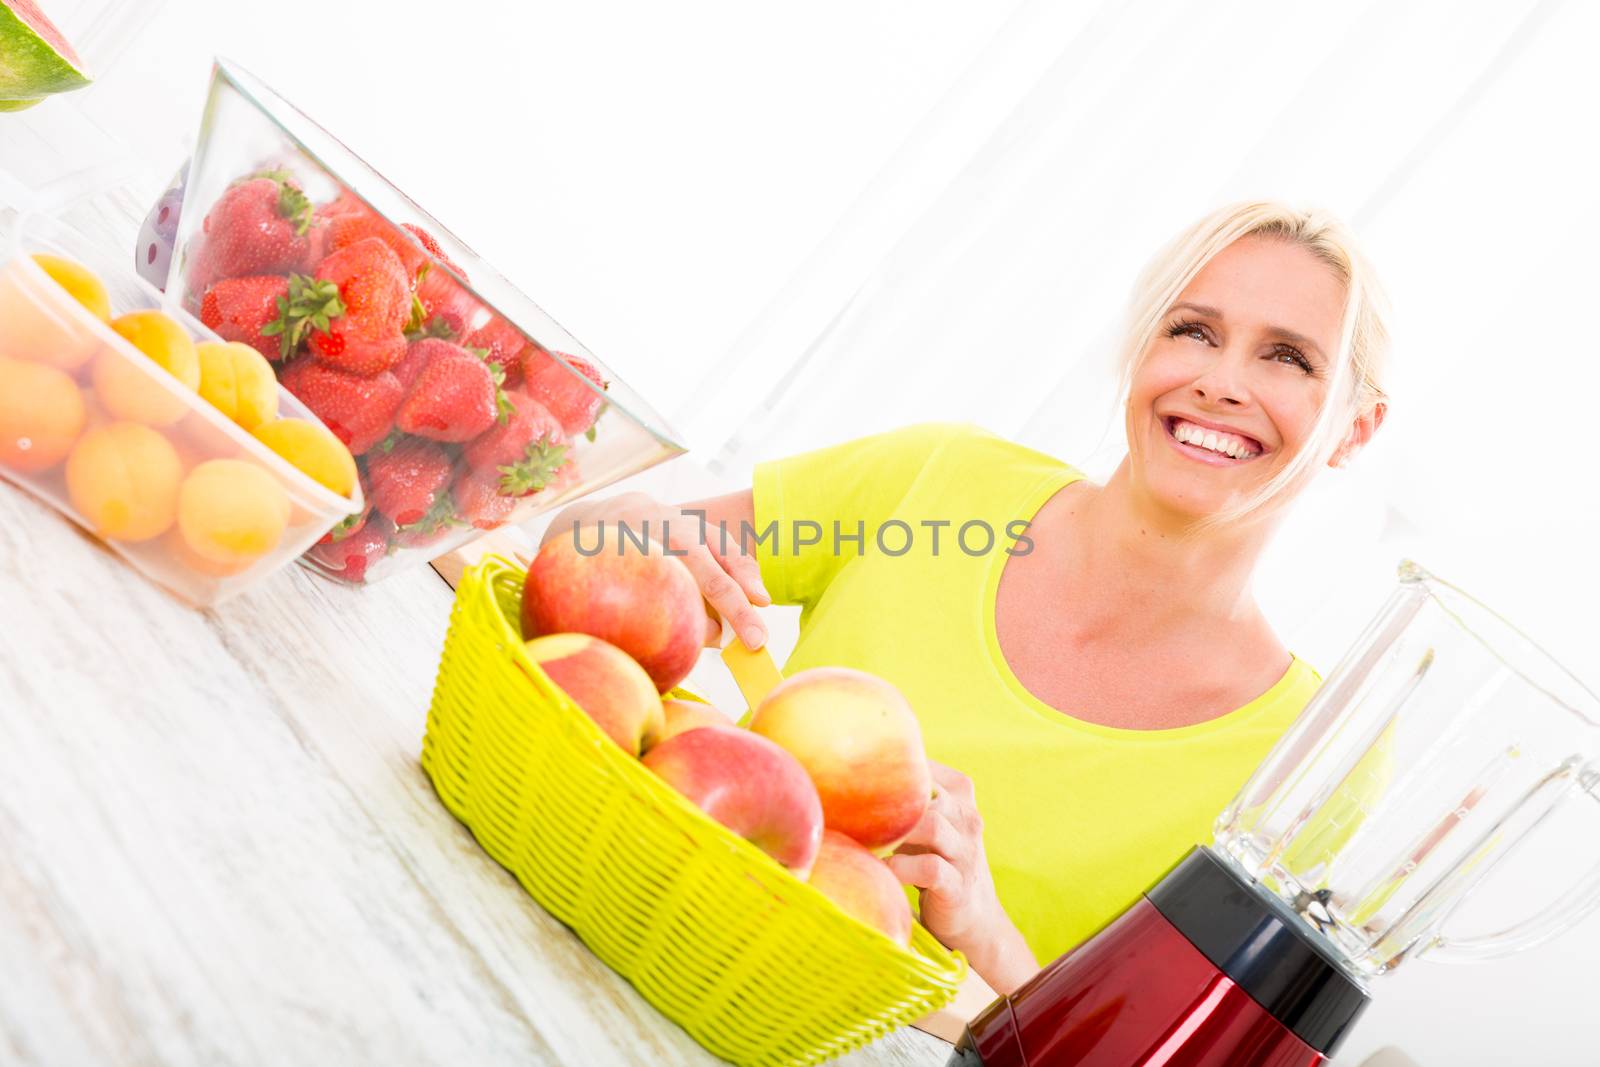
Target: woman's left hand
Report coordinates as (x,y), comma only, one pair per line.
(944,857)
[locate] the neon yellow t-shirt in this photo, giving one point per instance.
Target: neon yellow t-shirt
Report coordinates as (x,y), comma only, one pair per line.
(1079,818)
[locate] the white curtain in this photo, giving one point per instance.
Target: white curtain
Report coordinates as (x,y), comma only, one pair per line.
(982,274)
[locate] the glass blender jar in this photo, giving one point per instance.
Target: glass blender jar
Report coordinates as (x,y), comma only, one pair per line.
(1444,745)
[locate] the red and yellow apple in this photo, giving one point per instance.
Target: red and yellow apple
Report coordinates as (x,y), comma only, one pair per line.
(601,679)
(749,785)
(862,885)
(685,715)
(640,599)
(859,740)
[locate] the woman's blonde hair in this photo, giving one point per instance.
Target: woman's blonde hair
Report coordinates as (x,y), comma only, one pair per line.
(1358,365)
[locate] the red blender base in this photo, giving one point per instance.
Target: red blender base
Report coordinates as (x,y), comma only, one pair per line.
(1178,980)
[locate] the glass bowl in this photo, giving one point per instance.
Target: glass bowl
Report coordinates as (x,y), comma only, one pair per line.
(467,407)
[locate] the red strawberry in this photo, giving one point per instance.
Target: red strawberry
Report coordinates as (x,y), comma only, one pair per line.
(444,301)
(359,411)
(410,367)
(346,203)
(376,294)
(351,557)
(407,483)
(479,500)
(433,248)
(359,225)
(569,399)
(348,526)
(438,523)
(502,341)
(259,226)
(455,398)
(238,308)
(524,453)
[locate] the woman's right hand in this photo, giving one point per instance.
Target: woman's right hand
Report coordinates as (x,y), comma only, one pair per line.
(729,577)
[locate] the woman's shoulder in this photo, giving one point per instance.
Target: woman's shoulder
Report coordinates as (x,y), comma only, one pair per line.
(956,441)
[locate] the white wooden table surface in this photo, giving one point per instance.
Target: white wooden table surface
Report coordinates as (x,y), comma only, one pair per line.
(217,846)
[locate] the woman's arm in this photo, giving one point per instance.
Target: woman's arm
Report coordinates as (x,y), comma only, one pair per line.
(726,569)
(945,858)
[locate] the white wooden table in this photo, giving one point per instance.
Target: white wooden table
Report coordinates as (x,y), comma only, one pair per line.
(217,846)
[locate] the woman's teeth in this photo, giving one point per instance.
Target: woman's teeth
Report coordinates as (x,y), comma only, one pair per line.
(1225,443)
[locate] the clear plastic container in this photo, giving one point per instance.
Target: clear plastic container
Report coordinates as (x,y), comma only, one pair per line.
(114,442)
(274,200)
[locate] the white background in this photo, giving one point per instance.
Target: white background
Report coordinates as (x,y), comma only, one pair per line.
(790,224)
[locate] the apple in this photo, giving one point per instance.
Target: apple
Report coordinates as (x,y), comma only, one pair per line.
(640,599)
(685,715)
(749,785)
(859,740)
(862,885)
(610,687)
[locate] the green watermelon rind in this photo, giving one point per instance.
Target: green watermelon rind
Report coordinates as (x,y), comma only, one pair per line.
(30,67)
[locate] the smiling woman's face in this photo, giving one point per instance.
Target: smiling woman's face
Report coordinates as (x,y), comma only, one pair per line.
(1228,391)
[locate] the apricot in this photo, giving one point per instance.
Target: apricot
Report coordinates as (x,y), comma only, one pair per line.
(232,512)
(312,449)
(128,390)
(238,381)
(41,415)
(41,326)
(123,479)
(79,282)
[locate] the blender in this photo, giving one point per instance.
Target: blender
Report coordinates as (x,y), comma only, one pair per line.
(1440,746)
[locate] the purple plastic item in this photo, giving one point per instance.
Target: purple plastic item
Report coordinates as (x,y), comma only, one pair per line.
(158,235)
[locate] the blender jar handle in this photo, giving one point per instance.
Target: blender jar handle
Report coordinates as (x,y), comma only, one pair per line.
(1573,906)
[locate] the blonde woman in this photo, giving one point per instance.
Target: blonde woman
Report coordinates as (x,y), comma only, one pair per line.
(1095,686)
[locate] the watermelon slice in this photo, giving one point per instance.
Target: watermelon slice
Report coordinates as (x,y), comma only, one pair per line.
(35,60)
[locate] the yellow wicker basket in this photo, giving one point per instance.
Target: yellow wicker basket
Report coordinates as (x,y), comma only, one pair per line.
(754,964)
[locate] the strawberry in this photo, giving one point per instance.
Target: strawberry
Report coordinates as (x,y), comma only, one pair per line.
(259,226)
(359,225)
(447,308)
(502,341)
(407,484)
(525,452)
(359,411)
(434,526)
(346,203)
(348,526)
(455,398)
(411,365)
(376,294)
(433,248)
(350,557)
(574,404)
(479,500)
(238,309)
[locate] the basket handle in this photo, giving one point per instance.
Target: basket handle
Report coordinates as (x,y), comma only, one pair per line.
(752,669)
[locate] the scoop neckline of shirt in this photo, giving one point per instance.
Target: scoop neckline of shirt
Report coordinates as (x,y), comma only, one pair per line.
(1033,502)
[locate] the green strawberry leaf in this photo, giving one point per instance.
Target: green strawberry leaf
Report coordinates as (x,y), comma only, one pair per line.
(437,517)
(589,435)
(310,305)
(535,470)
(345,526)
(296,207)
(419,316)
(387,444)
(436,327)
